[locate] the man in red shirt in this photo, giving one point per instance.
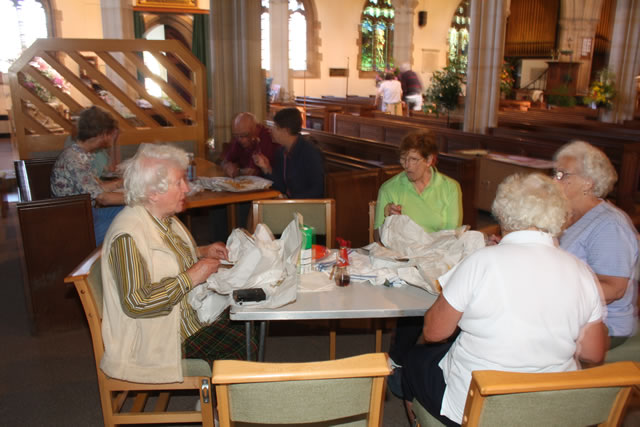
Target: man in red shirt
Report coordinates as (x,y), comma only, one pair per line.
(249,138)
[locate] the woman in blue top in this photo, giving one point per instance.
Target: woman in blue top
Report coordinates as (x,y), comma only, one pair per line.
(599,233)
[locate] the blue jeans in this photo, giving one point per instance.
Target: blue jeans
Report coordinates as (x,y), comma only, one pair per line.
(102,218)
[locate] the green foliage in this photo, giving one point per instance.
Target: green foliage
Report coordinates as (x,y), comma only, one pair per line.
(445,88)
(561,97)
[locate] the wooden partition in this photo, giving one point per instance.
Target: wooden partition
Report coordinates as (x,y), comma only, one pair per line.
(116,66)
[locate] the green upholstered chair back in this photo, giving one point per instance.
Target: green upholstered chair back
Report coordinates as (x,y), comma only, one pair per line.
(580,398)
(335,402)
(317,213)
(343,392)
(628,350)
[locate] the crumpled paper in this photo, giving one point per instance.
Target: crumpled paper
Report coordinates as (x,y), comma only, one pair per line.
(416,257)
(260,261)
(239,184)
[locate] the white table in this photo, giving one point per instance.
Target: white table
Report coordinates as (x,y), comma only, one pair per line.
(356,301)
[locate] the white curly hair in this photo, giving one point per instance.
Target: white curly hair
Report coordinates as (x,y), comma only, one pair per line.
(593,165)
(526,201)
(147,172)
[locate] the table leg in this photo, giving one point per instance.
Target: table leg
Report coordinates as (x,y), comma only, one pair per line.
(247,331)
(263,328)
(378,325)
(333,325)
(231,217)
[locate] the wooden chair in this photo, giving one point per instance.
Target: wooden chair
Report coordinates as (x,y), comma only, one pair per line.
(87,278)
(33,177)
(334,392)
(587,397)
(372,220)
(317,213)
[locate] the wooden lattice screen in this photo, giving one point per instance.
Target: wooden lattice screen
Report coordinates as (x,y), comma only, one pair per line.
(39,125)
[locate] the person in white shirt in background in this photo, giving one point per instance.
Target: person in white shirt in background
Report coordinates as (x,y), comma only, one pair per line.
(390,92)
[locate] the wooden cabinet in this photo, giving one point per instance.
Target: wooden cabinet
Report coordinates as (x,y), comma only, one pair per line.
(562,78)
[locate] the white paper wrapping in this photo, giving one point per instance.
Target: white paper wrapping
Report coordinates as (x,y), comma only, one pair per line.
(260,261)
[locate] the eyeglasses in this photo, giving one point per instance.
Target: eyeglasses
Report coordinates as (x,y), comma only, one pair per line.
(406,160)
(560,175)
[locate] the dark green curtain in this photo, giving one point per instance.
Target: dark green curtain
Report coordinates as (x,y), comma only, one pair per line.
(138,32)
(200,44)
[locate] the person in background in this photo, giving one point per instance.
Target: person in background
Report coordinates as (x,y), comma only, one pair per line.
(390,94)
(297,170)
(249,138)
(149,264)
(523,305)
(411,87)
(73,172)
(430,199)
(599,233)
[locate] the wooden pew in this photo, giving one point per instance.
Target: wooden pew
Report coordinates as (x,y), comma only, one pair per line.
(349,105)
(623,151)
(317,117)
(55,235)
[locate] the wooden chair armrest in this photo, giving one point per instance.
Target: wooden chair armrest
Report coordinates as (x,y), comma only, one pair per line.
(82,270)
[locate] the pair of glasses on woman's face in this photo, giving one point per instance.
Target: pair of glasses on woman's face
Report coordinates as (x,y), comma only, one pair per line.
(410,160)
(560,175)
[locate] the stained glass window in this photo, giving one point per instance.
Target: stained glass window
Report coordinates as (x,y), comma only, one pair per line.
(376,35)
(459,37)
(21,23)
(297,35)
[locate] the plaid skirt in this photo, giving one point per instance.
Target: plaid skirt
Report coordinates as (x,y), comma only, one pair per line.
(223,339)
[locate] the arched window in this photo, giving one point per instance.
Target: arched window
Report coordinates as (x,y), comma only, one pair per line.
(21,23)
(376,36)
(303,38)
(459,37)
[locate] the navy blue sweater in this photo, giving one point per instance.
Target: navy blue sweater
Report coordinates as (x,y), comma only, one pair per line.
(299,173)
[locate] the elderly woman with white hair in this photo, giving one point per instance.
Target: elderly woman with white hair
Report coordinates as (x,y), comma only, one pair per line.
(523,305)
(149,264)
(599,233)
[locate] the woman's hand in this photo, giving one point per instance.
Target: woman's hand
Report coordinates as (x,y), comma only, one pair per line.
(201,270)
(392,209)
(262,162)
(216,250)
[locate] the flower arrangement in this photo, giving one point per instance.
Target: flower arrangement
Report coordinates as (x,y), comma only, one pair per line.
(506,78)
(603,90)
(56,79)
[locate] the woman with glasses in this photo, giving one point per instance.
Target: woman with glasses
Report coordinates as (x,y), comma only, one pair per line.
(599,233)
(429,198)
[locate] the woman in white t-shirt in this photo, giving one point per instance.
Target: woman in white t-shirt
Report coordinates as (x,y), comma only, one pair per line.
(523,305)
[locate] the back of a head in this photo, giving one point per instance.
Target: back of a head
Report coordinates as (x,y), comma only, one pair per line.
(389,76)
(147,171)
(290,119)
(530,201)
(423,142)
(404,67)
(95,121)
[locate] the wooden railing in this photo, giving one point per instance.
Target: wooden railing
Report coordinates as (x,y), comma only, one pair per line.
(43,126)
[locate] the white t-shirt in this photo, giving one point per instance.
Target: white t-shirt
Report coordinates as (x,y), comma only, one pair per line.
(524,303)
(391,92)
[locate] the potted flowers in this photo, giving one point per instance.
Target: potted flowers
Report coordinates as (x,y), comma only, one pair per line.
(602,91)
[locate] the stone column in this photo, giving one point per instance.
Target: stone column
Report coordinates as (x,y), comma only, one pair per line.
(624,59)
(238,80)
(486,52)
(403,30)
(578,20)
(279,47)
(117,23)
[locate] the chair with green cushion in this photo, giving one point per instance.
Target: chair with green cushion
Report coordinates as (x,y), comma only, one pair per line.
(343,392)
(114,393)
(629,350)
(579,398)
(317,213)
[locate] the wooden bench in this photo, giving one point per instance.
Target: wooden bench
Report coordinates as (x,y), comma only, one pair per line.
(56,234)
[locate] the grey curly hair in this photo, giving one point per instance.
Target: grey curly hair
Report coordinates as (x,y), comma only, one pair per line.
(594,165)
(147,172)
(525,201)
